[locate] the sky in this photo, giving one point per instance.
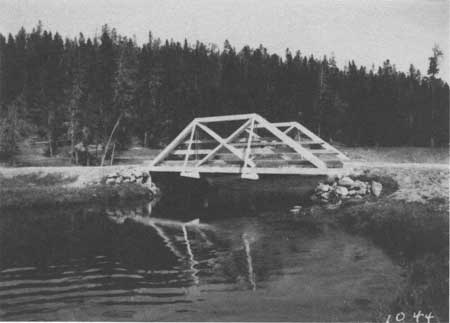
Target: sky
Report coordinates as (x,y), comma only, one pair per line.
(367,31)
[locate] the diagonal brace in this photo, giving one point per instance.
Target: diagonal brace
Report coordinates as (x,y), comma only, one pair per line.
(224,143)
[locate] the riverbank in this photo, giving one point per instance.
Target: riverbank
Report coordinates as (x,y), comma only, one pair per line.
(60,186)
(415,235)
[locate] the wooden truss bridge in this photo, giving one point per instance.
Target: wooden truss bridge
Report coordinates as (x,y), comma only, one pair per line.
(249,145)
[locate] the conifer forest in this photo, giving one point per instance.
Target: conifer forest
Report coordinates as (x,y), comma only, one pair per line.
(72,91)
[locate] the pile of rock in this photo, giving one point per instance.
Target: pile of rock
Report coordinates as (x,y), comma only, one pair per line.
(133,176)
(128,176)
(344,188)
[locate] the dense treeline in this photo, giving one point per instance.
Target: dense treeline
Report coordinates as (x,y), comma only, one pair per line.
(76,91)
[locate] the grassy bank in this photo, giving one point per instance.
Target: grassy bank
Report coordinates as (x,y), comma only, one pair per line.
(49,190)
(398,154)
(416,236)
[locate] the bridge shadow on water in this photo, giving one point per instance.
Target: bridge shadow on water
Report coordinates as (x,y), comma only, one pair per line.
(217,195)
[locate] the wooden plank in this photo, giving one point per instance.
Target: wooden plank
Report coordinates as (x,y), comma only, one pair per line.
(200,141)
(323,152)
(262,141)
(179,165)
(284,163)
(256,143)
(310,142)
(232,117)
(192,151)
(292,170)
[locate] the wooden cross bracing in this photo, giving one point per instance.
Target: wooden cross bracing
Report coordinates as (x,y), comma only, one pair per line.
(253,146)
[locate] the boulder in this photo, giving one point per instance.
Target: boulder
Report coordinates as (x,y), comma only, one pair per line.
(325,196)
(323,187)
(331,180)
(362,191)
(352,192)
(110,180)
(376,188)
(346,181)
(341,191)
(358,184)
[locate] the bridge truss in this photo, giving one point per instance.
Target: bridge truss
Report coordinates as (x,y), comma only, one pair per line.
(249,145)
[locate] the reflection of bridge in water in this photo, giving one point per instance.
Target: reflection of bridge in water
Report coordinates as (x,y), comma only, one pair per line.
(179,231)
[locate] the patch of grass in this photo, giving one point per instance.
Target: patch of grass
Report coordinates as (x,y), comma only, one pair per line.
(438,155)
(35,179)
(48,190)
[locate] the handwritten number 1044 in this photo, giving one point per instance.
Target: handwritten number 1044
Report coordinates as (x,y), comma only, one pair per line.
(401,316)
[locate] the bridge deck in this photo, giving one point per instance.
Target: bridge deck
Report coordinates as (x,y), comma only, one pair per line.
(247,144)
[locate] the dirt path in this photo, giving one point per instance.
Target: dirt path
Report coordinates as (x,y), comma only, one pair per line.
(398,165)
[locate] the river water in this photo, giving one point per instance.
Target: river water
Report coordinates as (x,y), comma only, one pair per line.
(126,263)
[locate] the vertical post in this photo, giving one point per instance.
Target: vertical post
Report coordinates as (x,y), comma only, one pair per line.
(246,173)
(249,142)
(188,153)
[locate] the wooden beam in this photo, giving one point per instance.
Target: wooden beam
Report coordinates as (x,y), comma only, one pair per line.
(323,152)
(292,170)
(188,152)
(261,141)
(283,124)
(288,129)
(189,146)
(249,142)
(232,117)
(200,141)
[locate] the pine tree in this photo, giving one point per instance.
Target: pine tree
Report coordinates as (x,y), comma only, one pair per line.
(433,69)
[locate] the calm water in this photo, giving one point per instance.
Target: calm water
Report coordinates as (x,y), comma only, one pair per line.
(97,263)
